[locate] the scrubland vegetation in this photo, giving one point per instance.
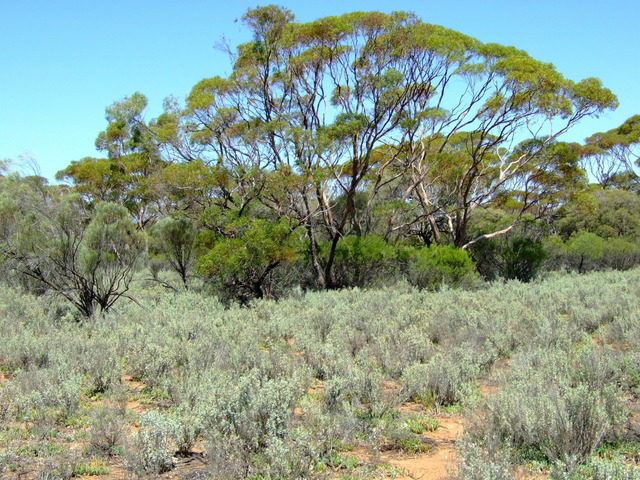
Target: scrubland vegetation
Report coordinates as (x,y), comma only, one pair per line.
(546,373)
(371,224)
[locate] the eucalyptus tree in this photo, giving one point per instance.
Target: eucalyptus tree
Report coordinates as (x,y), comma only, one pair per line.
(243,263)
(492,115)
(613,157)
(539,191)
(129,174)
(609,213)
(173,239)
(50,238)
(356,102)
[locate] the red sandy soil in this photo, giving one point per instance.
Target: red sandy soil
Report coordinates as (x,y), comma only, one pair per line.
(440,460)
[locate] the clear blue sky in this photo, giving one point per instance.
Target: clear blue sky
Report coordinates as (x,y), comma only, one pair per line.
(64,61)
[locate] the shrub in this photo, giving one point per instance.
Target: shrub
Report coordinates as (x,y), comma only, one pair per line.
(187,429)
(586,251)
(247,422)
(100,364)
(243,261)
(596,469)
(583,248)
(432,267)
(476,463)
(361,261)
(447,378)
(152,362)
(47,395)
(620,254)
(107,431)
(173,240)
(153,445)
(420,424)
(512,256)
(364,389)
(554,409)
(523,257)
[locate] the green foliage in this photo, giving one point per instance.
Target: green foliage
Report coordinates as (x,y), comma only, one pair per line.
(341,461)
(550,180)
(262,126)
(518,253)
(421,424)
(607,213)
(585,245)
(361,261)
(585,251)
(108,253)
(523,258)
(243,261)
(129,180)
(253,169)
(93,468)
(620,254)
(435,266)
(125,132)
(173,239)
(413,445)
(613,155)
(510,257)
(55,243)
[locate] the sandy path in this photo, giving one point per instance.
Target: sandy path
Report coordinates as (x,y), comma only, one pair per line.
(435,464)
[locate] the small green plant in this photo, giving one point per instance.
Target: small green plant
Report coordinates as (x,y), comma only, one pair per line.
(430,424)
(95,467)
(414,425)
(413,445)
(422,423)
(42,449)
(347,462)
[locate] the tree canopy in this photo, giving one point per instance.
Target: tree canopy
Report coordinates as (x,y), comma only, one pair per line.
(365,101)
(354,143)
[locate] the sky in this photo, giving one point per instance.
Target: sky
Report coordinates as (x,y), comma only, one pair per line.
(63,62)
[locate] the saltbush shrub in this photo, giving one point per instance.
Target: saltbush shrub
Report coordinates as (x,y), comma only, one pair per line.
(107,430)
(596,469)
(153,447)
(282,387)
(478,463)
(560,409)
(447,378)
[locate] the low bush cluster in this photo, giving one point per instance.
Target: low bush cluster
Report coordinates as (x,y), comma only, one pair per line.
(284,388)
